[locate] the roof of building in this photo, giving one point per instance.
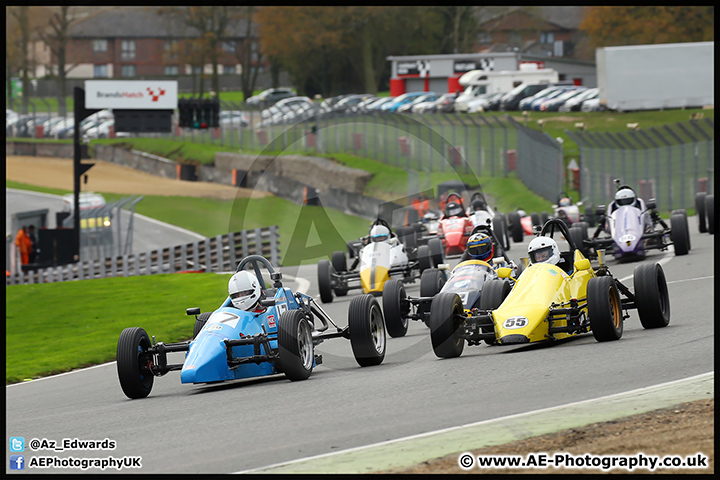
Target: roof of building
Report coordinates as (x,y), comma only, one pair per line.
(138,22)
(567,17)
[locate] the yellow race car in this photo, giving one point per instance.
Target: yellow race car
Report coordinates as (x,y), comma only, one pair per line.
(550,302)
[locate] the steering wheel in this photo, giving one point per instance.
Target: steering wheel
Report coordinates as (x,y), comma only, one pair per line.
(255,261)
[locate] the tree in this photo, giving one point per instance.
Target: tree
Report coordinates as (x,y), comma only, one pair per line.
(248,54)
(56,38)
(615,26)
(21,15)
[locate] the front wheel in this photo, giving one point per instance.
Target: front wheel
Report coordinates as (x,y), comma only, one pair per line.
(679,233)
(604,309)
(446,315)
(651,295)
(436,251)
(700,209)
(396,307)
(367,330)
(516,227)
(200,323)
(295,345)
(710,213)
(133,360)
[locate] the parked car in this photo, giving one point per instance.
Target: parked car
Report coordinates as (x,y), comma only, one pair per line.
(552,105)
(285,105)
(401,100)
(592,105)
(367,102)
(377,104)
(350,102)
(269,97)
(59,130)
(233,118)
(526,102)
(535,104)
(482,103)
(422,98)
(511,99)
(574,104)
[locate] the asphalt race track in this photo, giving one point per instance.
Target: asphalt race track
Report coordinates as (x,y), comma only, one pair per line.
(249,424)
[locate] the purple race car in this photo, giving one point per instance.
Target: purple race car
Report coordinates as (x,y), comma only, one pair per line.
(630,227)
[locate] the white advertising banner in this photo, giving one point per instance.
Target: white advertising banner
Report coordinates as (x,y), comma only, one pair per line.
(131,94)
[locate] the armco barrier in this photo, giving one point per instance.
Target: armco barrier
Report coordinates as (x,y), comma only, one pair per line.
(217,254)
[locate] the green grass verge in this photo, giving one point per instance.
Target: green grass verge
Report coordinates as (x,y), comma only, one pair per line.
(77,324)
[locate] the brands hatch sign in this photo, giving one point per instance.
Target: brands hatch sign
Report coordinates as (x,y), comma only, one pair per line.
(131,94)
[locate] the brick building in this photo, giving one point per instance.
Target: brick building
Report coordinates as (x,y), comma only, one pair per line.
(130,42)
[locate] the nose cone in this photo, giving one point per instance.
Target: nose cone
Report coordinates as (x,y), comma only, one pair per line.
(206,360)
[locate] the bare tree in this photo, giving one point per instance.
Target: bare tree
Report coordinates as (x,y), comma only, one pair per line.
(248,54)
(21,15)
(56,38)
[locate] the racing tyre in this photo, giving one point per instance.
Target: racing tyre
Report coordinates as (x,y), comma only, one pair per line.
(431,282)
(535,218)
(436,251)
(324,281)
(446,314)
(515,227)
(424,259)
(407,237)
(651,295)
(544,217)
(590,216)
(604,309)
(200,323)
(367,330)
(396,307)
(498,226)
(700,209)
(295,345)
(339,263)
(135,378)
(710,213)
(578,234)
(683,212)
(493,294)
(679,233)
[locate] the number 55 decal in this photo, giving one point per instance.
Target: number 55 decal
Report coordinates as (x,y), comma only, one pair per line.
(515,322)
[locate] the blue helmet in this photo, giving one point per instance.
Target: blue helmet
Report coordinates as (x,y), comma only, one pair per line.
(480,247)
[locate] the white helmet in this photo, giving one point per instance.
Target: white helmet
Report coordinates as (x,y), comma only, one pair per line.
(624,196)
(244,290)
(543,250)
(379,233)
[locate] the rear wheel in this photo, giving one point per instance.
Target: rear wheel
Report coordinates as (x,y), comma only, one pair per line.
(498,226)
(446,315)
(423,256)
(396,307)
(578,234)
(515,227)
(367,330)
(295,345)
(200,323)
(324,281)
(136,379)
(436,251)
(679,233)
(544,217)
(339,263)
(700,209)
(651,295)
(710,213)
(604,309)
(535,218)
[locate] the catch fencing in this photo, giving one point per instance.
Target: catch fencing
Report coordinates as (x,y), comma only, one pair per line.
(670,163)
(217,254)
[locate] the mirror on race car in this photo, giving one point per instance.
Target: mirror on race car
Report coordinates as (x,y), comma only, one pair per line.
(583,264)
(504,272)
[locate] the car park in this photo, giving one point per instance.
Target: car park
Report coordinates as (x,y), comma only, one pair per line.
(574,104)
(233,118)
(377,104)
(231,344)
(552,105)
(405,108)
(401,100)
(535,104)
(286,105)
(511,100)
(592,105)
(268,97)
(550,302)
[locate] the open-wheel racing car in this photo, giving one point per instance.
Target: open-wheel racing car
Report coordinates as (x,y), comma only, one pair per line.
(469,280)
(455,225)
(380,256)
(228,344)
(630,227)
(549,302)
(481,213)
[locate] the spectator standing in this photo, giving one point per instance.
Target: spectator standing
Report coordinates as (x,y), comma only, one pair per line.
(23,244)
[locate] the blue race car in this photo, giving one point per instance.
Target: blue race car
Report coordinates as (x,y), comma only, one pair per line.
(230,343)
